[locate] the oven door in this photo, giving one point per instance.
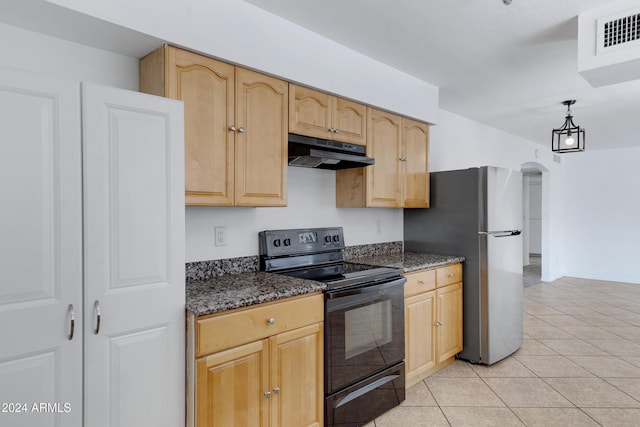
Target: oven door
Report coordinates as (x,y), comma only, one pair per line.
(364,332)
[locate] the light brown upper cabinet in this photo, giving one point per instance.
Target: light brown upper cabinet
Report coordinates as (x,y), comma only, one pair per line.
(236,126)
(400,176)
(321,115)
(415,161)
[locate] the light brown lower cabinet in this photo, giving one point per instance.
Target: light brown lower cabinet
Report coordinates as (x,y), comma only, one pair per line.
(273,381)
(433,320)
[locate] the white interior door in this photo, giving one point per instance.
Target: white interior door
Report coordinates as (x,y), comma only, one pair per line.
(134,258)
(40,251)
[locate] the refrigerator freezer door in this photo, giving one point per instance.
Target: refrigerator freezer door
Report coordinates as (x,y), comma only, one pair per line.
(502,297)
(503,200)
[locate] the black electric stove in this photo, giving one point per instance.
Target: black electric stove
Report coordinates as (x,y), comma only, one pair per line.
(364,321)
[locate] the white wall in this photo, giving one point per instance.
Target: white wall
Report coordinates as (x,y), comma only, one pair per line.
(535,214)
(602,198)
(311,203)
(38,53)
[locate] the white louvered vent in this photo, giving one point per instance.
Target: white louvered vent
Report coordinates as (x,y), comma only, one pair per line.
(620,31)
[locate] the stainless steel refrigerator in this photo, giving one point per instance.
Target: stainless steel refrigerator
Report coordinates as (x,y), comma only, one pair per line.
(477,213)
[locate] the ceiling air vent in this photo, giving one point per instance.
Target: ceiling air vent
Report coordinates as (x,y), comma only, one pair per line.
(618,32)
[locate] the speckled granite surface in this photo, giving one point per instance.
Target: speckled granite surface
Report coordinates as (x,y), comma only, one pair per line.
(205,270)
(409,261)
(373,249)
(241,290)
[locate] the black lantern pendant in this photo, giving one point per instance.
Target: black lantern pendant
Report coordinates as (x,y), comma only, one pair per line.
(569,137)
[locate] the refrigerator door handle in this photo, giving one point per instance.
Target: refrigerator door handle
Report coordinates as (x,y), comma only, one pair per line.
(504,233)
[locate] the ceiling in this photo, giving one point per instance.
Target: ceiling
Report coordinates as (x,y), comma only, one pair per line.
(509,67)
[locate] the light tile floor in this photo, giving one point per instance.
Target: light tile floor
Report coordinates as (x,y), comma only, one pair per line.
(579,366)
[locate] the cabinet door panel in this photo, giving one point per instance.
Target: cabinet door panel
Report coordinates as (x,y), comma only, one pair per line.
(350,119)
(449,314)
(384,179)
(261,149)
(297,374)
(309,112)
(420,314)
(230,387)
(207,88)
(40,247)
(416,171)
(134,254)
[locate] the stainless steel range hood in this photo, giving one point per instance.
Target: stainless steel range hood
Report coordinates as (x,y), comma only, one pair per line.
(309,152)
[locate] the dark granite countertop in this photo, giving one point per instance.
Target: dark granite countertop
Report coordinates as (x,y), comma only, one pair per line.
(409,261)
(241,290)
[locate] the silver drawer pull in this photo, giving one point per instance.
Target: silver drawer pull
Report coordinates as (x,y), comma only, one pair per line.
(96,308)
(241,129)
(421,282)
(232,128)
(72,321)
(267,394)
(276,390)
(450,275)
(271,320)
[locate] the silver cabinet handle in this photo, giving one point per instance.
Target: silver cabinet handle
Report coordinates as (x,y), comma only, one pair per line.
(450,275)
(96,309)
(438,324)
(72,321)
(332,130)
(271,320)
(241,129)
(336,130)
(232,128)
(267,394)
(403,159)
(276,390)
(421,282)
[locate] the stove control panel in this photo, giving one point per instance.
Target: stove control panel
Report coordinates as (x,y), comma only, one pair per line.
(300,241)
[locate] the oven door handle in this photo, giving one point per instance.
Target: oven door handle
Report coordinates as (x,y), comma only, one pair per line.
(364,390)
(374,287)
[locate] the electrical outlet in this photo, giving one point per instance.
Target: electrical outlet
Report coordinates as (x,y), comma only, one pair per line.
(378,226)
(221,236)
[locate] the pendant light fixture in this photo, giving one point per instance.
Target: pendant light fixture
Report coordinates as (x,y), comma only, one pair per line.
(568,137)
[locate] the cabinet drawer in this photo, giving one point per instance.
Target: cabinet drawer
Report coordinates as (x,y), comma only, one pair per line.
(231,329)
(419,282)
(449,274)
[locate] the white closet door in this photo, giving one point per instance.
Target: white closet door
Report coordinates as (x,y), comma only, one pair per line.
(40,251)
(134,258)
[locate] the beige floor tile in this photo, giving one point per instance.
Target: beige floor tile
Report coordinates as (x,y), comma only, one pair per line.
(615,417)
(554,417)
(419,395)
(462,392)
(617,347)
(458,369)
(573,347)
(592,393)
(553,366)
(628,332)
(532,347)
(539,309)
(539,332)
(607,366)
(633,360)
(527,392)
(508,367)
(631,386)
(586,332)
(480,417)
(561,320)
(405,416)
